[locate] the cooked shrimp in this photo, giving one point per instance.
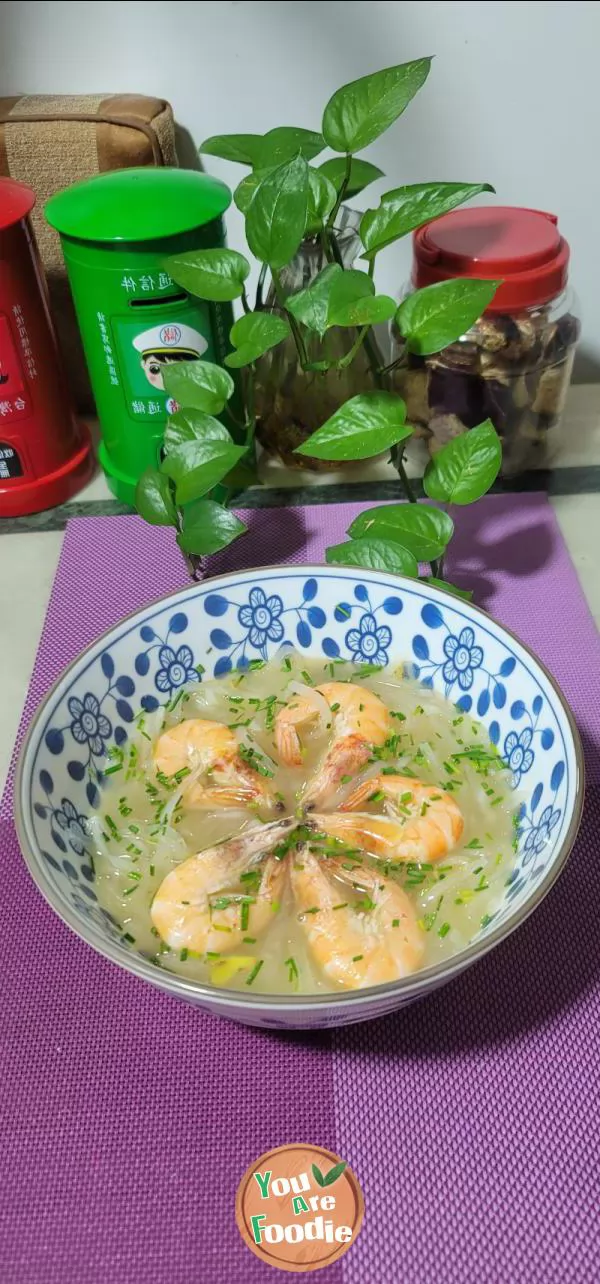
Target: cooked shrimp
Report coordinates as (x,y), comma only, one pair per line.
(432,823)
(360,720)
(199,906)
(361,942)
(211,750)
(427,837)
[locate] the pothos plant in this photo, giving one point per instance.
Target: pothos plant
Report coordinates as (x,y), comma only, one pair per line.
(285,200)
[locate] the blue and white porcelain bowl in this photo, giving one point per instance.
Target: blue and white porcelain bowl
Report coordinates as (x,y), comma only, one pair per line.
(324,612)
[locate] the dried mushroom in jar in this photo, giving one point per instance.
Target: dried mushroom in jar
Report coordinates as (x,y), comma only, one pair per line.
(514,370)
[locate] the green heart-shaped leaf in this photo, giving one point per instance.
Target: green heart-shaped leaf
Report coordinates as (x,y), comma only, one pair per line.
(207,527)
(242,148)
(285,142)
(361,174)
(364,426)
(440,314)
(197,466)
(253,335)
(375,554)
(359,112)
(338,297)
(321,200)
(198,385)
(364,311)
(154,499)
(245,190)
(406,208)
(193,425)
(276,216)
(347,288)
(216,275)
(464,469)
(311,305)
(423,530)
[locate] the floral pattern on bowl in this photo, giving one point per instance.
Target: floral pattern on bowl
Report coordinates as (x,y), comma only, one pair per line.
(225,623)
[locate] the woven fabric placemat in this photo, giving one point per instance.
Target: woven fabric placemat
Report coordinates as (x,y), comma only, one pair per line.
(471,1118)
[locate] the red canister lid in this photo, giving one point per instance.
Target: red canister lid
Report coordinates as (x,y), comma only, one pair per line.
(16,202)
(522,248)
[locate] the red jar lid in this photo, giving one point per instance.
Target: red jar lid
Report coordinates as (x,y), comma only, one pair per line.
(16,201)
(522,248)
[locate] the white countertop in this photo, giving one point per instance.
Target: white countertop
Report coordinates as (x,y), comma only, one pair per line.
(29,558)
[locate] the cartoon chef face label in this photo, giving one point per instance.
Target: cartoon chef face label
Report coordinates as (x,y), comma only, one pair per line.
(162,344)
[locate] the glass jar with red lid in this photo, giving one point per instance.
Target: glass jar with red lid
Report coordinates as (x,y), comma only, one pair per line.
(514,365)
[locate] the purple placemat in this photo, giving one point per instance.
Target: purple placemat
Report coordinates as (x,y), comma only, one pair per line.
(471,1119)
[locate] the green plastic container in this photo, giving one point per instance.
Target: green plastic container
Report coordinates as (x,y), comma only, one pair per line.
(116,231)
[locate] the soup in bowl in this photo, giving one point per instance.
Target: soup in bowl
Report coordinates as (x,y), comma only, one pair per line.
(301,796)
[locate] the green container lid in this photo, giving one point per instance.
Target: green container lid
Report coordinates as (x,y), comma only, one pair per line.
(142,204)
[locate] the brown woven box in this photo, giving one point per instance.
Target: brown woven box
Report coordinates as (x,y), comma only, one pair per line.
(51,141)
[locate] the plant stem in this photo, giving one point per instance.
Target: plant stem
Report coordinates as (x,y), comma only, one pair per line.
(342,192)
(237,423)
(392,366)
(258,303)
(334,249)
(350,355)
(294,327)
(192,566)
(245,304)
(249,399)
(396,452)
(374,360)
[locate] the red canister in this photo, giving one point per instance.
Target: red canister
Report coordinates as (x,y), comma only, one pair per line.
(45,454)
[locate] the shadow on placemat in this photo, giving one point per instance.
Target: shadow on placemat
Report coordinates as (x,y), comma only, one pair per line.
(477,556)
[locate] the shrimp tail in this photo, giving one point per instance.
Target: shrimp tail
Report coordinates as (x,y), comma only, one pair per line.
(345,758)
(359,796)
(223,796)
(288,744)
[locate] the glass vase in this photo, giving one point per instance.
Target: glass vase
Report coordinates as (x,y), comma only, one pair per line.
(291,402)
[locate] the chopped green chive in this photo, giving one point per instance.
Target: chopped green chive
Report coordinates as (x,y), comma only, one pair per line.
(255,971)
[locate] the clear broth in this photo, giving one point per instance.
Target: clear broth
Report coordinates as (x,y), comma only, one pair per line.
(142,830)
